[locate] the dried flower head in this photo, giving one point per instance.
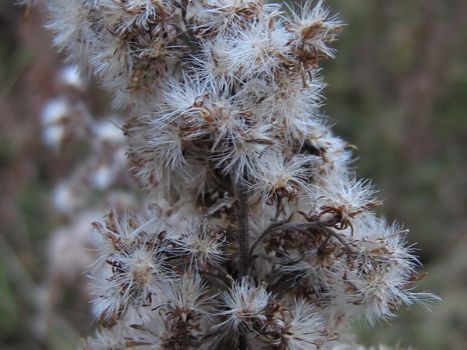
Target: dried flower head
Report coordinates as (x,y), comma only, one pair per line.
(244,305)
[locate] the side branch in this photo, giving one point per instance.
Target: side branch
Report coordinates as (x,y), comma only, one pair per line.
(302,226)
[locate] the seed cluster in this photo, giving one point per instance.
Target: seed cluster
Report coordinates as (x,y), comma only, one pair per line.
(260,236)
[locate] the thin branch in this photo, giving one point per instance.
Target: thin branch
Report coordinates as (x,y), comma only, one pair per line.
(302,226)
(284,226)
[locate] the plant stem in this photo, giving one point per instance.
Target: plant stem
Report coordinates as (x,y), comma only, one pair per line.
(243,236)
(242,344)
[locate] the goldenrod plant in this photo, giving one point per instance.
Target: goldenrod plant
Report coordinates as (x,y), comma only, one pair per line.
(258,235)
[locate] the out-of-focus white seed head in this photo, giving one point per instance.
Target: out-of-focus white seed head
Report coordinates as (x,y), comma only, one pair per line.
(72,77)
(102,177)
(53,117)
(107,130)
(65,198)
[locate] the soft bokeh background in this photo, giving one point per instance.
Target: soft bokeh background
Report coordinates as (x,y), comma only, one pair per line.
(398,91)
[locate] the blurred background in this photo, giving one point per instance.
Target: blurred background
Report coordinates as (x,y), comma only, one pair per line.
(398,91)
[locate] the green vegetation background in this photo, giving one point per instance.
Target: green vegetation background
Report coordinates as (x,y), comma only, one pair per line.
(398,91)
